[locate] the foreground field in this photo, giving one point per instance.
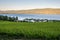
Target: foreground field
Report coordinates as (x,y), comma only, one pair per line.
(43,30)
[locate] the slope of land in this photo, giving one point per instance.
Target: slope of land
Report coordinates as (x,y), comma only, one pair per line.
(34,11)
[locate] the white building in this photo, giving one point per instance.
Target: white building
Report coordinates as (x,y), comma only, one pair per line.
(35,20)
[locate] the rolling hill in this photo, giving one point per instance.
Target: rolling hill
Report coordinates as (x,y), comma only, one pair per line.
(34,11)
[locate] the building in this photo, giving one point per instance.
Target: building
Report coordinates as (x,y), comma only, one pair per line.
(35,20)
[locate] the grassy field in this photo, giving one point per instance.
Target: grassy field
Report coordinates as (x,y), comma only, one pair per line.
(41,30)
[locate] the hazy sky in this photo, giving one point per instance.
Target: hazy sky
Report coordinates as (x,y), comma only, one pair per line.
(28,4)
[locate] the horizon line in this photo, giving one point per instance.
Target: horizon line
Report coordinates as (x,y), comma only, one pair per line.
(26,9)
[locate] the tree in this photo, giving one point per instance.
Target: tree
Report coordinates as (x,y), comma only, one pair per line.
(5,18)
(16,18)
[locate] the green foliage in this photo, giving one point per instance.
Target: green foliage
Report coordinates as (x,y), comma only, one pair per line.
(6,18)
(31,30)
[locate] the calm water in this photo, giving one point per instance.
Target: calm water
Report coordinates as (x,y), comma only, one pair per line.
(36,16)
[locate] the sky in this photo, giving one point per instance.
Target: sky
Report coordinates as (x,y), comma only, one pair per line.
(28,4)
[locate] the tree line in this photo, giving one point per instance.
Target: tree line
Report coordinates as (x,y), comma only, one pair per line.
(6,18)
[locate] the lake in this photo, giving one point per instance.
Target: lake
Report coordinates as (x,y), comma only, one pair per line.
(35,16)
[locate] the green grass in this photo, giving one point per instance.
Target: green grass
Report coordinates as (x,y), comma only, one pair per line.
(30,30)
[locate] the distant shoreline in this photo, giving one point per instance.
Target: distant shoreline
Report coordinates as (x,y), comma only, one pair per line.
(32,11)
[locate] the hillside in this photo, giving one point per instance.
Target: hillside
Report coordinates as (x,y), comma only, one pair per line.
(34,11)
